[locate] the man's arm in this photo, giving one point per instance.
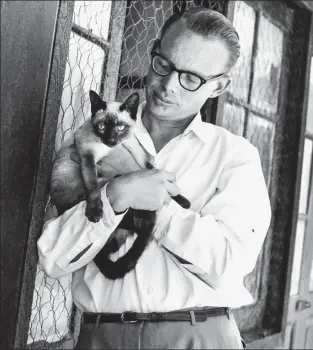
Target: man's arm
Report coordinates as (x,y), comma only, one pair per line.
(222,242)
(71,241)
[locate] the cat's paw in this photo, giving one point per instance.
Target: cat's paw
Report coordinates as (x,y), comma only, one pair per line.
(94,210)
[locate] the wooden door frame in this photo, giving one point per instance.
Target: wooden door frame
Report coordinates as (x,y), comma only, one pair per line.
(57,63)
(28,35)
(297,316)
(302,112)
(309,67)
(112,61)
(281,257)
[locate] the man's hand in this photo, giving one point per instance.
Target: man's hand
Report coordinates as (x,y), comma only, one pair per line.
(143,189)
(160,185)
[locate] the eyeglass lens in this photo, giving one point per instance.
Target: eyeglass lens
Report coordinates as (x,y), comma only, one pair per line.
(163,68)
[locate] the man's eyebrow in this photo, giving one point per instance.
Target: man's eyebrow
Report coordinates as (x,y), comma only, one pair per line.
(187,71)
(183,70)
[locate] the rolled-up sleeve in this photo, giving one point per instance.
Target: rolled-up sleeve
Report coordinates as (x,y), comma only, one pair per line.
(71,241)
(223,241)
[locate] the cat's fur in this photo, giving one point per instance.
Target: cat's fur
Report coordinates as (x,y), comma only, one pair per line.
(110,124)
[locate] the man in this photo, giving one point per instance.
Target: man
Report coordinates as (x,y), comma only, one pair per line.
(183,287)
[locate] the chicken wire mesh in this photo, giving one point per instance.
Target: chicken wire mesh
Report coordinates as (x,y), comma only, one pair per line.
(250,108)
(53,314)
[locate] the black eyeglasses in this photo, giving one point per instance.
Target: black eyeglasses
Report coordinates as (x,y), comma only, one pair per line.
(189,81)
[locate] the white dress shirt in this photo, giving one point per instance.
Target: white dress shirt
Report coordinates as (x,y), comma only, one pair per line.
(199,256)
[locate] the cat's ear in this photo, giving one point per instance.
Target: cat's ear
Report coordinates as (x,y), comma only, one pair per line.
(131,105)
(96,101)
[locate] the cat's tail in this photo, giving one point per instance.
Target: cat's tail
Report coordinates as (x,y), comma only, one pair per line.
(119,268)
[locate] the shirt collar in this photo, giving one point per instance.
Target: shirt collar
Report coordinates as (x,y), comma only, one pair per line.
(196,125)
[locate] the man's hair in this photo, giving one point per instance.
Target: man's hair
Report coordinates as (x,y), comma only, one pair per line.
(208,22)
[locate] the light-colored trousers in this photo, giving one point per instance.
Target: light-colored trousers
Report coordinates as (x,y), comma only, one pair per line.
(218,332)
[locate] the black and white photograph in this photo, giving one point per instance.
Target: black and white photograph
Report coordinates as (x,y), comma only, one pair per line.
(156,174)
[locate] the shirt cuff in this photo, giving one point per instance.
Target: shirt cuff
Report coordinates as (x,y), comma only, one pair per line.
(163,219)
(109,215)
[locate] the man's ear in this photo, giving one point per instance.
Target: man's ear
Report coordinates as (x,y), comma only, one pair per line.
(222,86)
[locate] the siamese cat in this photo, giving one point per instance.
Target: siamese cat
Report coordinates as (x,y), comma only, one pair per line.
(73,180)
(111,123)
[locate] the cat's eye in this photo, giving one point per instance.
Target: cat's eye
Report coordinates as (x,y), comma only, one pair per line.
(120,127)
(101,126)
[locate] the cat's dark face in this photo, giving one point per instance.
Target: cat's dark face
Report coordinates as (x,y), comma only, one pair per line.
(113,121)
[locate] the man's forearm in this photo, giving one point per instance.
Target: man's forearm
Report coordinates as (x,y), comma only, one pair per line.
(70,241)
(225,238)
(116,193)
(211,247)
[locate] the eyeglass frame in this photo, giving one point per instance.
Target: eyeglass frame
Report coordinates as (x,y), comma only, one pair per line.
(179,71)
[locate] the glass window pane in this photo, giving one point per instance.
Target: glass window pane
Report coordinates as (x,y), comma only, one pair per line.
(93,16)
(306,176)
(260,132)
(233,118)
(267,68)
(244,20)
(297,257)
(83,72)
(309,122)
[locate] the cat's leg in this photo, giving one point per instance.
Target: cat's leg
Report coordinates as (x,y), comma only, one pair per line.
(94,211)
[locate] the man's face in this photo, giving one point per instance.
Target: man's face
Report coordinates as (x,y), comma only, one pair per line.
(188,51)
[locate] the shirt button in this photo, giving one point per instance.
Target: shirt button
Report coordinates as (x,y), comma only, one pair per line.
(150,290)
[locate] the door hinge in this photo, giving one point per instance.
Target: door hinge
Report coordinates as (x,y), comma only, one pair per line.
(302,305)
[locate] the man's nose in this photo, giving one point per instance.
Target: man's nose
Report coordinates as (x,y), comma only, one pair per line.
(170,82)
